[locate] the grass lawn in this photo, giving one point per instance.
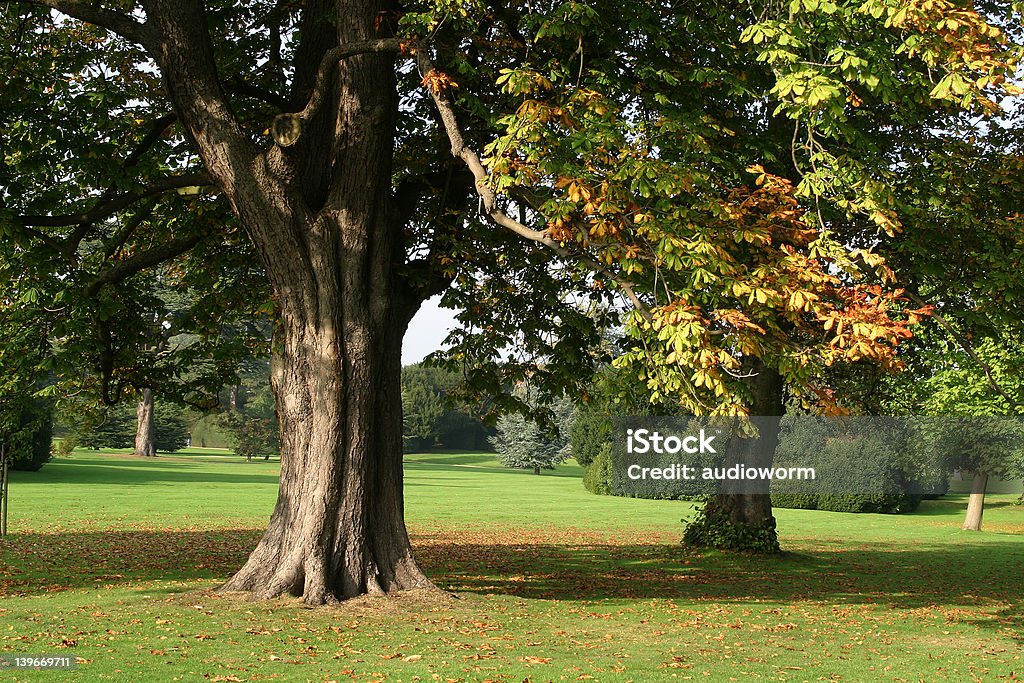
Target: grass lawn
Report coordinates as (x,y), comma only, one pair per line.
(113,558)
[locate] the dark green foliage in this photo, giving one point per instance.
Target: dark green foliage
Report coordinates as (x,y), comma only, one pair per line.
(598,476)
(712,528)
(112,428)
(115,427)
(253,436)
(857,470)
(432,416)
(254,429)
(591,431)
(33,451)
(422,408)
(209,433)
(458,430)
(172,431)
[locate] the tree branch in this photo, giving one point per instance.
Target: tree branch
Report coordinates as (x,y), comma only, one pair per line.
(184,51)
(240,86)
(116,203)
(968,348)
(156,131)
(330,61)
(91,13)
(139,262)
(489,199)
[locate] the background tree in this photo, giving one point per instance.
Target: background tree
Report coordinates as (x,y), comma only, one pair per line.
(116,427)
(252,422)
(524,442)
(433,415)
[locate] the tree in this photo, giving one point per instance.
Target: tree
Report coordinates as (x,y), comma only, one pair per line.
(432,413)
(145,429)
(117,427)
(621,135)
(422,408)
(524,443)
(253,424)
(971,428)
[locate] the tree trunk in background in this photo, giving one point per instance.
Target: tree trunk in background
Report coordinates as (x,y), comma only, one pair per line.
(5,473)
(976,503)
(145,432)
(736,518)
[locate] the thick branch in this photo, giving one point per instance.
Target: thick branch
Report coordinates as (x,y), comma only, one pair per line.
(147,259)
(185,54)
(240,86)
(156,131)
(91,13)
(489,199)
(329,62)
(117,203)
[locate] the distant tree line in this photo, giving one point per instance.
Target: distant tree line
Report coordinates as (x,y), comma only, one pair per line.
(433,417)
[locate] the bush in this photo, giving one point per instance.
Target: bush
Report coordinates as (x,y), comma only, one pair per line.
(254,437)
(65,446)
(713,528)
(857,471)
(172,432)
(114,428)
(598,476)
(209,433)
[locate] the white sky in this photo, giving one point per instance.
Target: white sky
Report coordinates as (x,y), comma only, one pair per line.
(427,331)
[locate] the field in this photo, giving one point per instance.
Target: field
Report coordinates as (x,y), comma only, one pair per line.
(113,559)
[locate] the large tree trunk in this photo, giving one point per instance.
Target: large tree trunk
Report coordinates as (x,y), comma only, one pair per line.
(976,503)
(319,208)
(338,529)
(738,518)
(145,432)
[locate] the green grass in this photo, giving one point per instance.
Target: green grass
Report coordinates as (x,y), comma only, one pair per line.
(113,559)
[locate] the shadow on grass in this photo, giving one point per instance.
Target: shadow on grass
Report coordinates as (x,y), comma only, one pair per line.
(457,464)
(963,575)
(957,503)
(133,472)
(902,576)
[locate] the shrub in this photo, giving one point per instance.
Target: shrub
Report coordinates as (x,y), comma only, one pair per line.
(857,471)
(172,432)
(65,446)
(598,476)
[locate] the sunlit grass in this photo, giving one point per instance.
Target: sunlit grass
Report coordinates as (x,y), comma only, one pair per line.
(113,557)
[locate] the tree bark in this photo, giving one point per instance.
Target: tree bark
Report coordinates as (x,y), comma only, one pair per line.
(737,518)
(338,528)
(976,503)
(321,213)
(145,432)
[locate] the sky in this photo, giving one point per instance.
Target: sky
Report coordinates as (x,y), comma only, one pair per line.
(427,331)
